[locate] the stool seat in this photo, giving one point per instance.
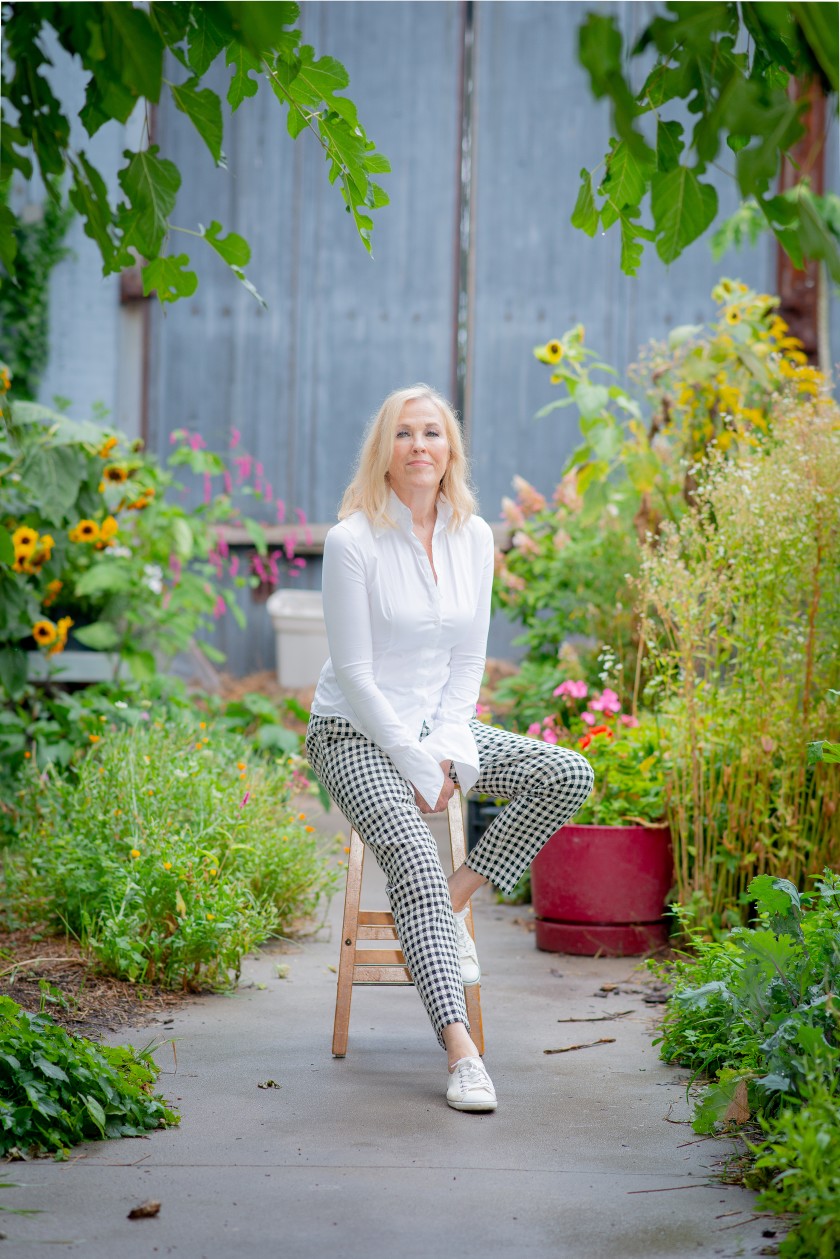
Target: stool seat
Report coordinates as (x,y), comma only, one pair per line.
(387,966)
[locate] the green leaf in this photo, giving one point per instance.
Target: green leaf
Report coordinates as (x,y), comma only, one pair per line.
(819,26)
(818,242)
(14,671)
(96,1112)
(89,196)
(259,26)
(595,471)
(823,750)
(7,547)
(591,400)
(182,537)
(141,663)
(204,109)
(682,210)
(205,38)
(585,214)
(133,48)
(107,577)
(168,278)
(56,472)
(50,1069)
(241,84)
(316,81)
(669,145)
(627,177)
(101,635)
(151,185)
(776,896)
(8,240)
(275,736)
(233,249)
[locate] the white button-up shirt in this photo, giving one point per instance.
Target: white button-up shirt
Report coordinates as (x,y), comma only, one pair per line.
(405,650)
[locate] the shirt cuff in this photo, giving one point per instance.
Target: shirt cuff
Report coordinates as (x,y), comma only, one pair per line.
(421,768)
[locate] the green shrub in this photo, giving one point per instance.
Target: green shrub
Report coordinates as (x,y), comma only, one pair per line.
(168,855)
(758,1011)
(57,1089)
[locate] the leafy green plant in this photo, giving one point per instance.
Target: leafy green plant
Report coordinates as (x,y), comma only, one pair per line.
(732,66)
(57,1090)
(122,50)
(170,851)
(757,1011)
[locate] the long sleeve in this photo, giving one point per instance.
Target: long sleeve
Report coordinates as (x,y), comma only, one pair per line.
(348,624)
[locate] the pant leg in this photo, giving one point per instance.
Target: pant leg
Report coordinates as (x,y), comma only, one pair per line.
(375,798)
(545,785)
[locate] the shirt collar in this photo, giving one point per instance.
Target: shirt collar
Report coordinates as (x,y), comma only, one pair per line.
(401,515)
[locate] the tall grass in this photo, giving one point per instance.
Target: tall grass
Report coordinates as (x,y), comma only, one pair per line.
(742,607)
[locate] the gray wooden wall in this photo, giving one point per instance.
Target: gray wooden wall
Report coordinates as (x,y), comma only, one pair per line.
(301,378)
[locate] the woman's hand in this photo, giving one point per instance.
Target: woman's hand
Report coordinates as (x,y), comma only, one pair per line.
(447,791)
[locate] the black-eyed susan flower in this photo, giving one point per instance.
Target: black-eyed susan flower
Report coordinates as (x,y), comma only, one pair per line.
(24,540)
(5,380)
(106,447)
(553,351)
(115,473)
(43,550)
(44,633)
(733,315)
(167,865)
(109,529)
(85,531)
(135,852)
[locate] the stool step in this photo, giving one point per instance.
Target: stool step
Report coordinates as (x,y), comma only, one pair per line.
(376,918)
(376,933)
(380,975)
(379,957)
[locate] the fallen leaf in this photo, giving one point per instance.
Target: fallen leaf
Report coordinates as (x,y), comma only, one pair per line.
(145,1211)
(738,1110)
(588,1044)
(269,1084)
(282,970)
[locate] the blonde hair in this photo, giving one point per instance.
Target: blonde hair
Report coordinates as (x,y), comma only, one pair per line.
(369,490)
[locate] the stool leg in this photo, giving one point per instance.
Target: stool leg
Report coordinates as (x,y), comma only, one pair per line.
(457,844)
(347,956)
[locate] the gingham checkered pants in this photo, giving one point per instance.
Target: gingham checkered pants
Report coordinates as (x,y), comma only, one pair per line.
(545,785)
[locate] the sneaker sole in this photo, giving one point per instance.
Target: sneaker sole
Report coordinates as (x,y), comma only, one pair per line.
(471,983)
(474,1106)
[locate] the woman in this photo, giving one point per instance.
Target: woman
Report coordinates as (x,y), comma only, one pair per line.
(407,580)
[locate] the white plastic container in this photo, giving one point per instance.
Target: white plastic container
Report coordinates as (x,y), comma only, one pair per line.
(300,634)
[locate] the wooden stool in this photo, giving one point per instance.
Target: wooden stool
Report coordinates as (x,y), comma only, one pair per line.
(387,966)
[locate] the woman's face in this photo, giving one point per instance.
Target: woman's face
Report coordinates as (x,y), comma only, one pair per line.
(420,455)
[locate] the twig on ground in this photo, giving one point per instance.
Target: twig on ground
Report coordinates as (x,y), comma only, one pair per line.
(598,1018)
(671,1188)
(565,1049)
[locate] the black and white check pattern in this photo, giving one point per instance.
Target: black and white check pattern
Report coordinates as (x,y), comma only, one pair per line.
(545,786)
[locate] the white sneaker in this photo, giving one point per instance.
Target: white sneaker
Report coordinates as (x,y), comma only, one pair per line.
(467,955)
(470,1087)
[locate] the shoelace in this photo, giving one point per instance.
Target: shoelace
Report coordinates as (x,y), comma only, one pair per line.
(472,1075)
(465,940)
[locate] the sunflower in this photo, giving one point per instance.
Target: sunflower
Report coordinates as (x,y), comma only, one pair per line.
(44,633)
(553,352)
(115,473)
(85,531)
(24,539)
(106,447)
(733,315)
(61,629)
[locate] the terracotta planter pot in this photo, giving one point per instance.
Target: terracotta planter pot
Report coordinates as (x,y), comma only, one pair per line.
(602,889)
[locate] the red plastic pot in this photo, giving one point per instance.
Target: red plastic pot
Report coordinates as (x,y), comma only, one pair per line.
(602,889)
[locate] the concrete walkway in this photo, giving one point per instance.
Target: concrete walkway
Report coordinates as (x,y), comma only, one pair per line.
(362,1159)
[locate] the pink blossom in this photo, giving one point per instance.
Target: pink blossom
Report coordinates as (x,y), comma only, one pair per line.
(234,565)
(175,566)
(561,539)
(196,441)
(259,470)
(512,513)
(245,799)
(290,543)
(174,436)
(512,580)
(294,572)
(272,566)
(534,730)
(574,690)
(627,720)
(549,735)
(221,544)
(228,482)
(269,492)
(606,700)
(525,543)
(301,515)
(219,607)
(528,497)
(235,437)
(566,494)
(243,466)
(281,511)
(482,710)
(259,568)
(588,718)
(258,485)
(298,562)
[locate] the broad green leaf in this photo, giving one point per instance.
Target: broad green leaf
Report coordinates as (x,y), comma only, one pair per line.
(169,279)
(643,469)
(141,663)
(204,109)
(819,26)
(377,164)
(627,177)
(89,196)
(8,240)
(590,473)
(774,895)
(50,1069)
(818,242)
(585,214)
(297,120)
(101,635)
(183,537)
(260,26)
(684,332)
(133,48)
(257,535)
(274,736)
(591,399)
(151,185)
(107,577)
(669,145)
(205,38)
(7,547)
(232,248)
(56,472)
(14,671)
(316,81)
(96,1112)
(682,209)
(241,84)
(824,750)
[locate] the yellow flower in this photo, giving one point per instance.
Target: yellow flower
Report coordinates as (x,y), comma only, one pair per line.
(115,473)
(108,529)
(167,865)
(202,725)
(84,531)
(553,352)
(211,917)
(213,870)
(106,447)
(24,540)
(733,315)
(135,852)
(44,633)
(309,829)
(301,817)
(5,380)
(240,764)
(94,738)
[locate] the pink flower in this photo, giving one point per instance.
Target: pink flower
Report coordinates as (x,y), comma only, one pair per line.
(566,494)
(549,735)
(228,482)
(534,730)
(289,543)
(588,718)
(245,799)
(219,607)
(281,511)
(627,720)
(525,543)
(561,539)
(301,515)
(572,688)
(196,441)
(234,565)
(529,498)
(243,466)
(606,700)
(269,492)
(235,437)
(481,710)
(259,568)
(175,566)
(298,562)
(221,544)
(512,513)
